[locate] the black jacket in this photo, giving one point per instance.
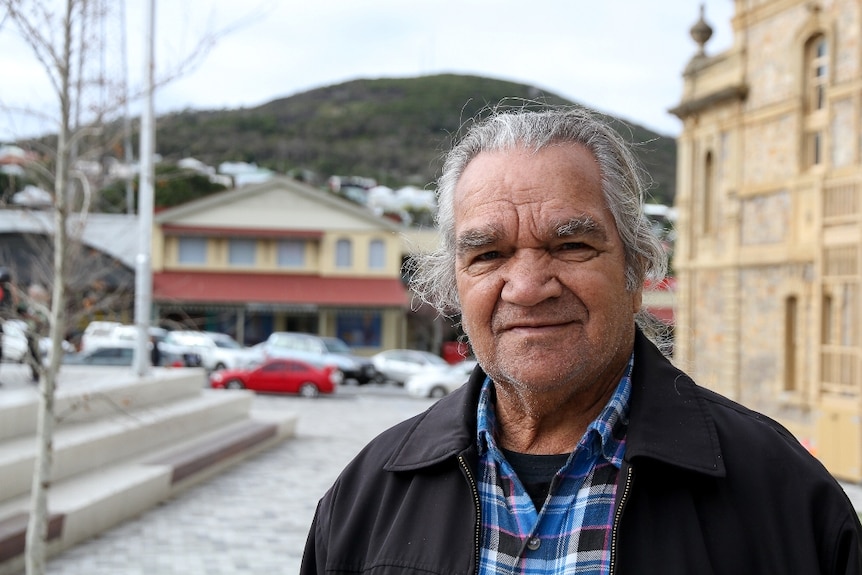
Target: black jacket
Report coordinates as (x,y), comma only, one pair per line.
(707,487)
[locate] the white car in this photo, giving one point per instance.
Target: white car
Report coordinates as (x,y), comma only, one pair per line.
(437,382)
(313,347)
(15,342)
(397,365)
(100,334)
(215,352)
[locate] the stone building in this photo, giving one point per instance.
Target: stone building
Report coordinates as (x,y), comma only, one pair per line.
(768,257)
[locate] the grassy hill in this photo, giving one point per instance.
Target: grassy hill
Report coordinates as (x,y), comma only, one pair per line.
(392,130)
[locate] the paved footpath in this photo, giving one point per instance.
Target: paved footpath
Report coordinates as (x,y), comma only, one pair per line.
(254,517)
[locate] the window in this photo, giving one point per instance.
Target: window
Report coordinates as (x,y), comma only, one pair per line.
(826,320)
(790,343)
(814,148)
(377,255)
(343,254)
(708,193)
(241,252)
(817,72)
(816,79)
(290,253)
(359,329)
(192,250)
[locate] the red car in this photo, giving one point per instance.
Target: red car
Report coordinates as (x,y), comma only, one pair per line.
(281,375)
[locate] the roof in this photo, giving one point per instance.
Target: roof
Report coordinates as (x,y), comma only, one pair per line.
(259,288)
(183,215)
(113,234)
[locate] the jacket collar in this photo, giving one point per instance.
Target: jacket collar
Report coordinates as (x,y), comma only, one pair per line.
(668,417)
(668,420)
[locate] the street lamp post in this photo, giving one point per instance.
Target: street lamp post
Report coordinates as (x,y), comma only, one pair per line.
(143,261)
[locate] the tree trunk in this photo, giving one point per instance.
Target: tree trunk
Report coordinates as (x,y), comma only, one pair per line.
(37,528)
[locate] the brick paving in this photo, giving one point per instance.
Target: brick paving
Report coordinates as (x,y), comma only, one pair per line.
(253,518)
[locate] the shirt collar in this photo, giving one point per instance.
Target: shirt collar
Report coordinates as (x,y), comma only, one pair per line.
(609,428)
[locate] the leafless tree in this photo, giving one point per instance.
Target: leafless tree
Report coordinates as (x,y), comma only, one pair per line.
(68,41)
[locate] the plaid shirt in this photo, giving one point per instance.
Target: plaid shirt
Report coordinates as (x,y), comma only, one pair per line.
(571,534)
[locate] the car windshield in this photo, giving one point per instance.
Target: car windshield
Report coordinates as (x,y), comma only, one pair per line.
(187,338)
(436,359)
(335,345)
(226,343)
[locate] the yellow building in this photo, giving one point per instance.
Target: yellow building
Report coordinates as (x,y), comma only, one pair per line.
(768,257)
(281,256)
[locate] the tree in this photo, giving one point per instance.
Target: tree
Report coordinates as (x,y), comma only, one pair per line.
(60,66)
(68,42)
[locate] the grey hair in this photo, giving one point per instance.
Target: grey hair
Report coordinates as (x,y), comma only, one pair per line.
(433,277)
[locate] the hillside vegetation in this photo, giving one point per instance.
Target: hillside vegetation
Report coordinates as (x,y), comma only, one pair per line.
(392,130)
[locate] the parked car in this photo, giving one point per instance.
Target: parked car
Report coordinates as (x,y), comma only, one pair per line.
(113,333)
(124,355)
(397,365)
(326,349)
(106,355)
(439,382)
(281,375)
(212,355)
(15,342)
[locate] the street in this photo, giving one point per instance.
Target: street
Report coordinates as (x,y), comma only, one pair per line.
(254,517)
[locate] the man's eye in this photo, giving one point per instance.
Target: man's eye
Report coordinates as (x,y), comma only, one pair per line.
(487,256)
(569,246)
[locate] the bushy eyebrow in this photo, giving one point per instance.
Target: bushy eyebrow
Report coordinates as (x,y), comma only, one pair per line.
(477,238)
(581,226)
(584,226)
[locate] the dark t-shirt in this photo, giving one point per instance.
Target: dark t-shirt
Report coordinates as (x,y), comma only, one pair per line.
(536,472)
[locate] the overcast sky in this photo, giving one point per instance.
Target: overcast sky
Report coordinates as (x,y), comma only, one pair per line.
(623,57)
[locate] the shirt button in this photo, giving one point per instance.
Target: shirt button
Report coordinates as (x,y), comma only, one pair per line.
(533,543)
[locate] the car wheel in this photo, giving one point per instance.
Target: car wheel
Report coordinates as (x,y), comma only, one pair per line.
(219,366)
(308,389)
(234,384)
(437,392)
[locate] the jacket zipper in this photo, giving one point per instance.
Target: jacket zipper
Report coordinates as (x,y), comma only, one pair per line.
(475,491)
(617,516)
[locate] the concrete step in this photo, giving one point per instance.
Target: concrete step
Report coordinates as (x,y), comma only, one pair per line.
(84,395)
(98,443)
(113,466)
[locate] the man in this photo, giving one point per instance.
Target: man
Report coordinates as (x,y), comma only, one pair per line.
(577,447)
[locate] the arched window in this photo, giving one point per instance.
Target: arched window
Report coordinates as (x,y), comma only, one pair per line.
(816,83)
(343,253)
(816,72)
(377,255)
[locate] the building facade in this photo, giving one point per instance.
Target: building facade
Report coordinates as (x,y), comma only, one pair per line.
(280,256)
(767,258)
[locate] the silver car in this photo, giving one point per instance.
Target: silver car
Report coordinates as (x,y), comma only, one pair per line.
(396,365)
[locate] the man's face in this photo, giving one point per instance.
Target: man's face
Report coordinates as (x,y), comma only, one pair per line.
(540,270)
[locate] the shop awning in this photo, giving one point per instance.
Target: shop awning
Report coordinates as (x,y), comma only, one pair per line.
(258,288)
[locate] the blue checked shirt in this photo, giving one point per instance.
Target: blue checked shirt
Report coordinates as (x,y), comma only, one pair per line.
(571,534)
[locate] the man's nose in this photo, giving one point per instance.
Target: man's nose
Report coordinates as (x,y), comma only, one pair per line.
(530,278)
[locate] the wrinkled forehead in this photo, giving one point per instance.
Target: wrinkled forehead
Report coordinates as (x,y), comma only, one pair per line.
(552,192)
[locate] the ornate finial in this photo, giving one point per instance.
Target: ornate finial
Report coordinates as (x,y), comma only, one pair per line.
(701,32)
